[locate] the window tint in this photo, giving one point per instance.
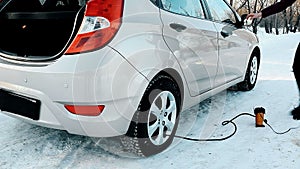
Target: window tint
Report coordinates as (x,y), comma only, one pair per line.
(191,8)
(154,1)
(220,11)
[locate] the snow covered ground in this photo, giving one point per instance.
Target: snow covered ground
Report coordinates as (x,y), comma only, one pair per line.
(23,145)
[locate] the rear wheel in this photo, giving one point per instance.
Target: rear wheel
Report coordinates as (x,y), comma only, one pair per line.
(155,122)
(251,74)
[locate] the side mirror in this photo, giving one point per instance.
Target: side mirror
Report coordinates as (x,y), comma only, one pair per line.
(247,22)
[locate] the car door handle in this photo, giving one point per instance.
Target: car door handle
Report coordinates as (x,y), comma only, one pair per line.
(225,34)
(177,27)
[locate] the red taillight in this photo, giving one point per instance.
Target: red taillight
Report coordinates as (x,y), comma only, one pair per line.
(85,110)
(101,22)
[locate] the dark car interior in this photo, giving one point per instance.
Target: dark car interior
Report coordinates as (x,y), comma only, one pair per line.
(34,28)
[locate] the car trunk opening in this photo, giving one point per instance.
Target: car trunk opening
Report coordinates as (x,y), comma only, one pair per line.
(38,29)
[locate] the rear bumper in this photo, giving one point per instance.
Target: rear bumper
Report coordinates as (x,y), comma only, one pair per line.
(100,77)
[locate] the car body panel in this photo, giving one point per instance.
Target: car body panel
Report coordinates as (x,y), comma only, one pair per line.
(233,53)
(75,79)
(118,74)
(195,49)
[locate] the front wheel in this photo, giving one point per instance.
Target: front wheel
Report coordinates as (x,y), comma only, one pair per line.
(155,122)
(251,74)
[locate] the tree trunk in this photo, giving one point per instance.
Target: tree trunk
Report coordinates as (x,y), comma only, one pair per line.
(291,17)
(267,26)
(271,25)
(285,22)
(297,24)
(276,24)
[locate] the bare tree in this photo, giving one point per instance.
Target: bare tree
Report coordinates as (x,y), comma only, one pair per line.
(231,2)
(289,19)
(240,4)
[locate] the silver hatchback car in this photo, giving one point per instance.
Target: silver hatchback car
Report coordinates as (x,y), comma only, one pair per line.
(105,68)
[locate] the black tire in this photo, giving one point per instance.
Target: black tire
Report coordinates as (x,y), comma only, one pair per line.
(251,74)
(138,140)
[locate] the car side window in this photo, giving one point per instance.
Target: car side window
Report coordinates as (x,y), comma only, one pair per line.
(220,11)
(154,1)
(192,8)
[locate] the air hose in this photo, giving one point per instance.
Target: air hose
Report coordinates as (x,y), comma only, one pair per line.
(258,115)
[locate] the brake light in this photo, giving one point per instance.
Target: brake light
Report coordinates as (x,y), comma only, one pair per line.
(85,110)
(102,20)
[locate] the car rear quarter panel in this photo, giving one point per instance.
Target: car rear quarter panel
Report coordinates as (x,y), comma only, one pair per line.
(141,43)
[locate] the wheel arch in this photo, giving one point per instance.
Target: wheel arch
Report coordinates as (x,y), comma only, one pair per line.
(137,136)
(256,51)
(173,74)
(246,85)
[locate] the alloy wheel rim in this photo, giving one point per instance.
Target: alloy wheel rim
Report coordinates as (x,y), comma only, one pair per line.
(253,70)
(162,118)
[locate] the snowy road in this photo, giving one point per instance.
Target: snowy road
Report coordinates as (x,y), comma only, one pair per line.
(23,145)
